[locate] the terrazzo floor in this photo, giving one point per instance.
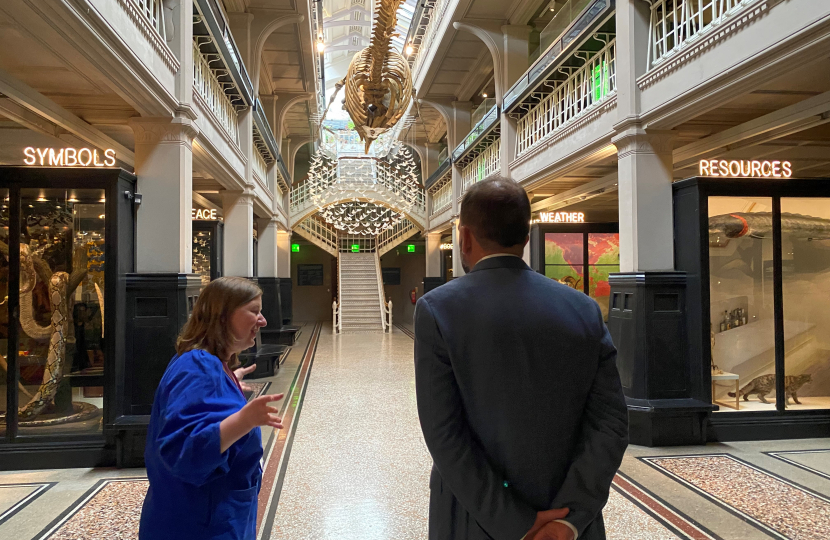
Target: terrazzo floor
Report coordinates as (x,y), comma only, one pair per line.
(352,464)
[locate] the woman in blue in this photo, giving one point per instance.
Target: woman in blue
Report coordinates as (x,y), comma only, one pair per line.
(204,444)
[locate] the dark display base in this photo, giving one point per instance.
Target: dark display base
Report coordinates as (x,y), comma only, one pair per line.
(431,283)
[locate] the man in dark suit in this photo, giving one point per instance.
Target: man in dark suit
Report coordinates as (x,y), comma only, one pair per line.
(519,397)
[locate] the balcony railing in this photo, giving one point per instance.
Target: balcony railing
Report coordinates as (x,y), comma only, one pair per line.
(489,120)
(442,198)
(486,105)
(261,169)
(436,15)
(391,237)
(442,156)
(585,86)
(208,86)
(318,232)
(485,164)
(675,23)
(152,10)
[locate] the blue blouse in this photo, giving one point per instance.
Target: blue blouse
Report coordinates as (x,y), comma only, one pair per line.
(197,492)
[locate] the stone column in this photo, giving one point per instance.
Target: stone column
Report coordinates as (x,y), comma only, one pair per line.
(516,56)
(267,257)
(433,244)
(457,269)
(164,164)
(284,254)
(238,252)
(181,31)
(645,200)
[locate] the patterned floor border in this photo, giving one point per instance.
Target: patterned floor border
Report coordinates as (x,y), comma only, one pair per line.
(279,445)
(664,513)
(405,330)
(781,457)
(66,516)
(40,489)
(755,522)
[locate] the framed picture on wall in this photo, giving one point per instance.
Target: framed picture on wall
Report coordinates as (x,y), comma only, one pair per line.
(309,275)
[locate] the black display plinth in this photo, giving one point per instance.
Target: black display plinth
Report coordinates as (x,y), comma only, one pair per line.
(665,392)
(271,301)
(285,300)
(432,282)
(157,307)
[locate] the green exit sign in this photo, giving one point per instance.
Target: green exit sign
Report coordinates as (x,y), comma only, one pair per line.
(410,248)
(295,248)
(355,248)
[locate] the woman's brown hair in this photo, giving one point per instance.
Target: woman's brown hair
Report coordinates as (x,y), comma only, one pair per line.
(209,325)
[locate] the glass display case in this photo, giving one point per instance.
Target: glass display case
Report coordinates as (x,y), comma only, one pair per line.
(207,250)
(59,286)
(757,256)
(568,253)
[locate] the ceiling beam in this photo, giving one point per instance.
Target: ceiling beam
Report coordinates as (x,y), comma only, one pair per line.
(32,100)
(799,116)
(479,72)
(586,191)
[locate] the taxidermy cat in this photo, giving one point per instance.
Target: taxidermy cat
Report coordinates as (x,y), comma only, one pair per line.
(765,384)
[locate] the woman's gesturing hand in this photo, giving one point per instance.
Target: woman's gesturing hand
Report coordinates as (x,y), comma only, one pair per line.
(258,412)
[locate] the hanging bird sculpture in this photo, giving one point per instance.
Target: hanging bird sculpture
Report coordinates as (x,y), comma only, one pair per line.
(378,82)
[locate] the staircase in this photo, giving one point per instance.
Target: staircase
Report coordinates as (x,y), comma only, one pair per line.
(360,293)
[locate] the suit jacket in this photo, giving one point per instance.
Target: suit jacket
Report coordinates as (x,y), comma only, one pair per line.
(520,403)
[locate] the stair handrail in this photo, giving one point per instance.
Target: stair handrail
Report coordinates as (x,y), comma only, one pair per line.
(335,311)
(380,292)
(388,308)
(339,327)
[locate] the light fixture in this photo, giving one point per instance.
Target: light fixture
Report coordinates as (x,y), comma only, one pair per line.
(484,95)
(409,49)
(321,47)
(41,199)
(102,216)
(73,199)
(103,200)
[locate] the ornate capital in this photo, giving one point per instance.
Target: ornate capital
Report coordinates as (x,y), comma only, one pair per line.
(636,140)
(163,130)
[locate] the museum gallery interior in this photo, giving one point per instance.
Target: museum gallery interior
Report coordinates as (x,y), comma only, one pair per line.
(675,153)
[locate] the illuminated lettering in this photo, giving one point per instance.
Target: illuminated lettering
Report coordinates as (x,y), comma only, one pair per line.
(562,217)
(745,168)
(445,247)
(55,159)
(203,214)
(68,157)
(70,153)
(88,160)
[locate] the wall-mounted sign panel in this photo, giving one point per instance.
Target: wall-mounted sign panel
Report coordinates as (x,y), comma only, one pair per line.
(68,157)
(562,217)
(745,168)
(309,275)
(205,215)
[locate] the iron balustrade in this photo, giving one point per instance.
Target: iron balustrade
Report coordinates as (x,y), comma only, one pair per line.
(153,11)
(442,197)
(317,230)
(674,23)
(435,16)
(443,155)
(212,91)
(261,170)
(392,236)
(480,129)
(485,164)
(585,87)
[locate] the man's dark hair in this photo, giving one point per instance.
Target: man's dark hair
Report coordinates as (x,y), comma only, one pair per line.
(497,211)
